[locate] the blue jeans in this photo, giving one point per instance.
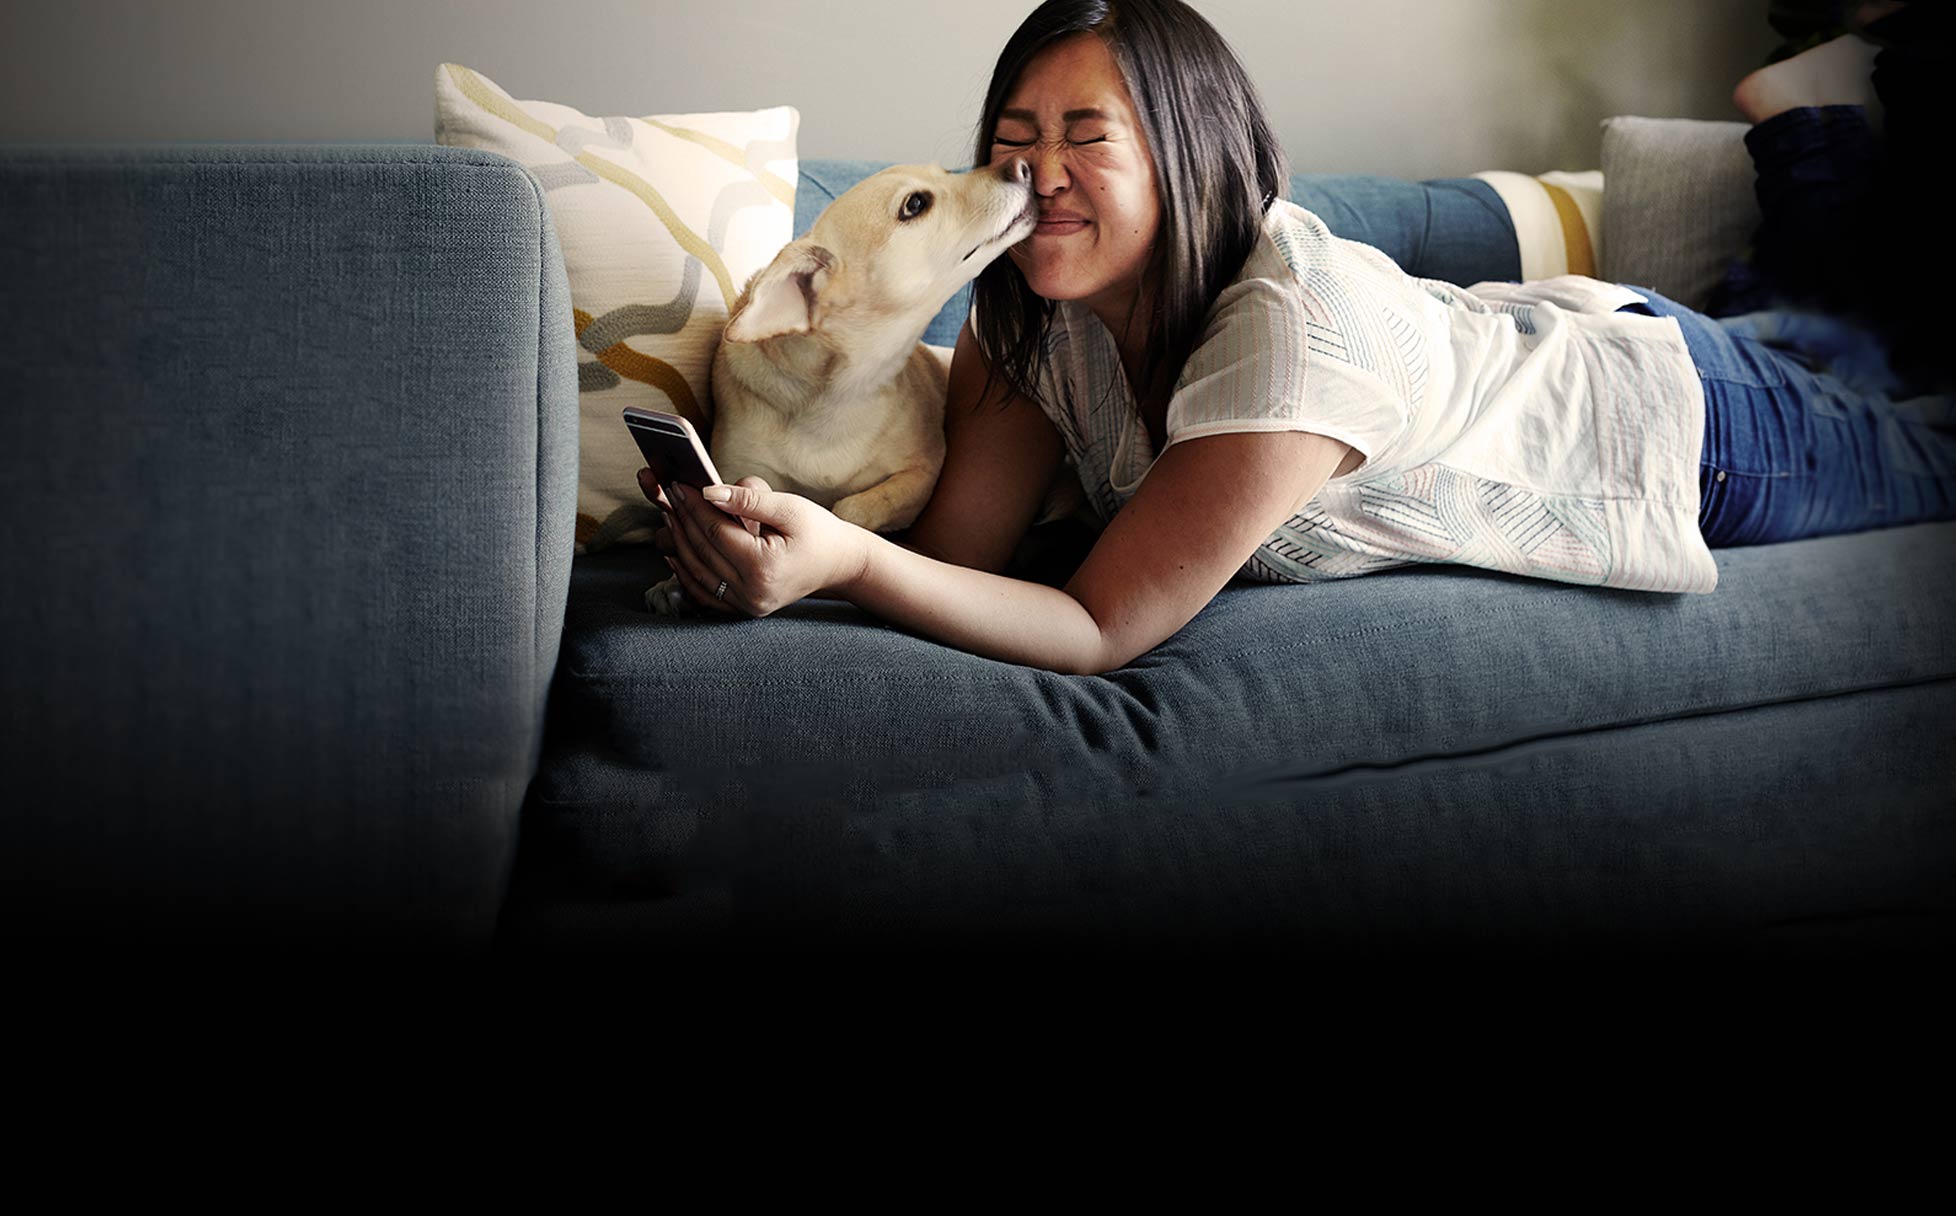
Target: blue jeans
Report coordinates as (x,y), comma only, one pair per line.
(1793,451)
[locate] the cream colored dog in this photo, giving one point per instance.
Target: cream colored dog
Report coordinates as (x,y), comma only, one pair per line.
(821,385)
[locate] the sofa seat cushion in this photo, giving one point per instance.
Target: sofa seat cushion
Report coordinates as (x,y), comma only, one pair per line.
(665,722)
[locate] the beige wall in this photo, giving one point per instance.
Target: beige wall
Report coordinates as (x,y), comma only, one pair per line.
(1407,87)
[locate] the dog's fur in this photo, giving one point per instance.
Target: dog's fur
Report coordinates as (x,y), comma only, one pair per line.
(820,383)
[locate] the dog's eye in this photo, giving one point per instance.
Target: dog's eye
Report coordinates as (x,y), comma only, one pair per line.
(914,205)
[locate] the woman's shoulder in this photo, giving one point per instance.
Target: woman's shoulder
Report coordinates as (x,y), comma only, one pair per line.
(1298,262)
(1284,216)
(1297,246)
(1294,240)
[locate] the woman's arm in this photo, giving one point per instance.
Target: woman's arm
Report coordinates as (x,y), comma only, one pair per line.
(1001,454)
(1203,508)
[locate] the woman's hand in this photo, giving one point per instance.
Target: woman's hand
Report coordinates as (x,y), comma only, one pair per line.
(796,547)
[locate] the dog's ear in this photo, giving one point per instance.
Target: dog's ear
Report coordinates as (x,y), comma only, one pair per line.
(782,298)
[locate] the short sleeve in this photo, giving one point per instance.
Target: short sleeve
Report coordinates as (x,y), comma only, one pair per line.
(1275,357)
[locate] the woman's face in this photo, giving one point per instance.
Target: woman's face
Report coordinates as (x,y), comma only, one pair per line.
(1070,117)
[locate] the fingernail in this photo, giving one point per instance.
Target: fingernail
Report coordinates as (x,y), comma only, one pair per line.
(716,493)
(680,492)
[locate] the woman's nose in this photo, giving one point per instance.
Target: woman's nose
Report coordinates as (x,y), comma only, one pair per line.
(1049,173)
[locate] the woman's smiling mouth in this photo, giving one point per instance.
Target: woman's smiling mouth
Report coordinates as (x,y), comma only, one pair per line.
(1059,223)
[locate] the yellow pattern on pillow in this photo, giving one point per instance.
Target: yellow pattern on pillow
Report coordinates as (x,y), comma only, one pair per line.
(645,209)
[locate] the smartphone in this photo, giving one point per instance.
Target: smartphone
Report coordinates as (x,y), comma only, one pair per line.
(672,448)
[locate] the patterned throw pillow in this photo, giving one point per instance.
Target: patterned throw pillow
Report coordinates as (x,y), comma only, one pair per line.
(662,220)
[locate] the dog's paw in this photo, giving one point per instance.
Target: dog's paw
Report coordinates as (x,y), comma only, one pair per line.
(863,511)
(668,598)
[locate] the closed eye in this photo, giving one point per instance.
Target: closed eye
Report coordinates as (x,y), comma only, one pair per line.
(1001,141)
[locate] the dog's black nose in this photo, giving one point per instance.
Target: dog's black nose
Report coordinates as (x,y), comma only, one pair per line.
(1016,170)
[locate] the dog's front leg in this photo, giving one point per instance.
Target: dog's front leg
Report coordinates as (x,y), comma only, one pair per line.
(890,504)
(667,598)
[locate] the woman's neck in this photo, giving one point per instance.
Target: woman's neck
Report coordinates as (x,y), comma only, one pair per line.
(1127,317)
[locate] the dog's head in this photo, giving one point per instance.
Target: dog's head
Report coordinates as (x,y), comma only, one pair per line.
(889,252)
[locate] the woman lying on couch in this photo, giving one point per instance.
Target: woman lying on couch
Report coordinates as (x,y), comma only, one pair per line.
(1246,394)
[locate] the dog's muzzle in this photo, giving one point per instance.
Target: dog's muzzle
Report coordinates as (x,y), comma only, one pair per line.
(1029,213)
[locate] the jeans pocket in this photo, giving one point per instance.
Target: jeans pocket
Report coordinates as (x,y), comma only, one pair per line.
(1755,430)
(1753,508)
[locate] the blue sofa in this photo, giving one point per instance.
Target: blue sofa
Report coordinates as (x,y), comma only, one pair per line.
(297,654)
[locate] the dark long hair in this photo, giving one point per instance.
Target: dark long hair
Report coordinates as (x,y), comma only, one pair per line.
(1218,167)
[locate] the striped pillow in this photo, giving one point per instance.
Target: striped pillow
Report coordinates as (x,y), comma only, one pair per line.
(1557,218)
(662,220)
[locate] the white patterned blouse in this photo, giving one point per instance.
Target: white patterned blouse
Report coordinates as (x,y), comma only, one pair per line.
(1529,427)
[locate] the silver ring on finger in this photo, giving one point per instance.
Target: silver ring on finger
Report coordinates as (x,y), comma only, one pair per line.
(722,592)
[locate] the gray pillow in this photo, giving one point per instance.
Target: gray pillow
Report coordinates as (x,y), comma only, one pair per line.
(1677,203)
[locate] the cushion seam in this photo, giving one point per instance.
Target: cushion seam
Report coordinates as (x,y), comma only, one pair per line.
(1681,714)
(1492,749)
(1249,782)
(542,507)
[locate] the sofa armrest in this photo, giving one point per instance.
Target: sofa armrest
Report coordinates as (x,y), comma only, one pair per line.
(288,477)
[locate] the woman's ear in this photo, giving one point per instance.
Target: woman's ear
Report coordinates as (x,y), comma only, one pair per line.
(783,297)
